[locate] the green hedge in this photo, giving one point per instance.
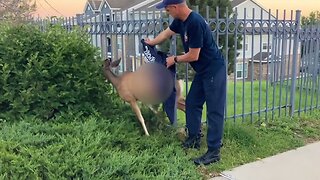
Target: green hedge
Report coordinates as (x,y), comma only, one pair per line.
(94,134)
(92,148)
(44,73)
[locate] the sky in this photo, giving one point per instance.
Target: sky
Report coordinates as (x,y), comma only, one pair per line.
(69,8)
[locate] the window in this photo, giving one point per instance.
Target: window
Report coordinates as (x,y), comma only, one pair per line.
(246,47)
(119,42)
(240,73)
(265,46)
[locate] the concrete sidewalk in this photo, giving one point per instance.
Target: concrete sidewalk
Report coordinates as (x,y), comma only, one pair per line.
(298,164)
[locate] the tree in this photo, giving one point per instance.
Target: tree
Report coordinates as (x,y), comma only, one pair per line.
(312,19)
(201,6)
(225,11)
(16,10)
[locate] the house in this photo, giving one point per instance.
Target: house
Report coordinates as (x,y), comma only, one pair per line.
(108,6)
(256,43)
(261,46)
(125,45)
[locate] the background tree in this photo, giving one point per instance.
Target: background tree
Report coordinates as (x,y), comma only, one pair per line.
(225,11)
(201,6)
(312,19)
(15,10)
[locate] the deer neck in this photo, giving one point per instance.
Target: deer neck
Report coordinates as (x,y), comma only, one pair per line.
(109,75)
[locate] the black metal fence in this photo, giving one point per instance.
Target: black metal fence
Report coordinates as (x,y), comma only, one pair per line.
(273,63)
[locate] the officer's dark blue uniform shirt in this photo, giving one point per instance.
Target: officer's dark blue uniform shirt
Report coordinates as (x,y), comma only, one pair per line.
(195,33)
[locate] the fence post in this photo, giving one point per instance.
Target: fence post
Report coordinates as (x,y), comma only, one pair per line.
(173,51)
(294,63)
(103,36)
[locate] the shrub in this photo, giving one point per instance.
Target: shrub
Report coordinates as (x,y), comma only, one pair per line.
(43,73)
(94,147)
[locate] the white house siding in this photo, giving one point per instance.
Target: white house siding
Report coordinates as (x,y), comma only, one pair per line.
(245,10)
(256,43)
(280,47)
(253,44)
(248,7)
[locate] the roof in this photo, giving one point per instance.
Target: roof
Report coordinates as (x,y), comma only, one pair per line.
(144,4)
(235,3)
(95,4)
(265,57)
(151,6)
(124,4)
(262,55)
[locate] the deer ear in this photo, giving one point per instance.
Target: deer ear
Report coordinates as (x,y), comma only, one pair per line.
(116,63)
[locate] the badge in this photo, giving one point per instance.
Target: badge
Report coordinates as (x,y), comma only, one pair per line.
(185,37)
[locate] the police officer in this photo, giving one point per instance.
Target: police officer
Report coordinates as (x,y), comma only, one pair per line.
(209,83)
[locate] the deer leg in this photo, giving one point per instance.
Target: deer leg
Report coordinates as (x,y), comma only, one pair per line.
(136,109)
(152,109)
(181,104)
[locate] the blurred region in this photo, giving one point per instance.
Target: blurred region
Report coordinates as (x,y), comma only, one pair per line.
(153,83)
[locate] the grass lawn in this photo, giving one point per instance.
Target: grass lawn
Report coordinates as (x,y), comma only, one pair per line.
(113,146)
(264,101)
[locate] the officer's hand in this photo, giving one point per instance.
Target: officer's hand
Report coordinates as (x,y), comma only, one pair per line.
(170,61)
(148,41)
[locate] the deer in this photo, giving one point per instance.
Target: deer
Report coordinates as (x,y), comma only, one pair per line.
(128,90)
(181,102)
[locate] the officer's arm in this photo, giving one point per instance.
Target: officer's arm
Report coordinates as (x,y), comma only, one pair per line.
(192,55)
(166,34)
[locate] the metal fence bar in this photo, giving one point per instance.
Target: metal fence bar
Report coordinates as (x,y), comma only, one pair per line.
(235,66)
(243,61)
(268,65)
(314,70)
(294,63)
(302,74)
(289,62)
(252,63)
(140,33)
(318,65)
(307,75)
(255,112)
(317,59)
(124,57)
(226,58)
(173,51)
(275,63)
(217,24)
(282,58)
(260,62)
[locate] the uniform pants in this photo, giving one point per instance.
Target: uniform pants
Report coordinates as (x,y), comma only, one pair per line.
(209,87)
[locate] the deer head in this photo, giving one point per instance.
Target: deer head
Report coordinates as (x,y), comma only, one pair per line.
(109,75)
(111,64)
